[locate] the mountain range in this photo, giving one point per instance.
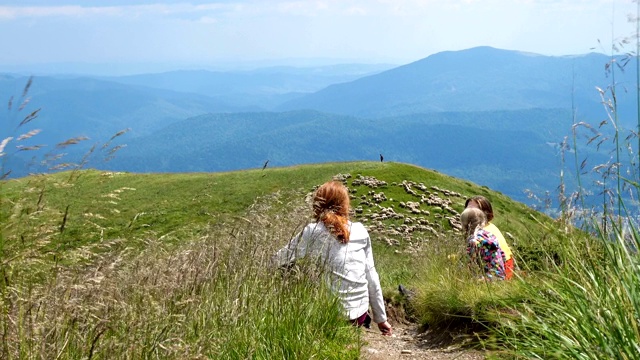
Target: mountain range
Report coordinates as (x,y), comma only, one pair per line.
(477,79)
(492,116)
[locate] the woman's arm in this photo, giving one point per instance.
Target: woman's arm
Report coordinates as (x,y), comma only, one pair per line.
(376,301)
(295,249)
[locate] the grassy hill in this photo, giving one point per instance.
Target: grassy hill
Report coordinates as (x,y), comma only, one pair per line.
(99,264)
(165,204)
(158,263)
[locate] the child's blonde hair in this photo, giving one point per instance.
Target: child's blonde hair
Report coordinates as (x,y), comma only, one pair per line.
(471,218)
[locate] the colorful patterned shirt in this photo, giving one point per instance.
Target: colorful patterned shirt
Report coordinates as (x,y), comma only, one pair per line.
(484,249)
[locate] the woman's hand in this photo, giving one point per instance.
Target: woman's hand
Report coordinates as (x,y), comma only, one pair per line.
(385,327)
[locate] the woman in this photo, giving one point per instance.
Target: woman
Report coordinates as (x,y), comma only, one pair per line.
(482,203)
(345,249)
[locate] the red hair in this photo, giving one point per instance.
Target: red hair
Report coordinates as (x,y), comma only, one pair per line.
(331,206)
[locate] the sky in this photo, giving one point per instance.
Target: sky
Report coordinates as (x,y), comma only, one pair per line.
(122,34)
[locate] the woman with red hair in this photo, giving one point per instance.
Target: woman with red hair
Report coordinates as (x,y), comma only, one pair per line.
(345,249)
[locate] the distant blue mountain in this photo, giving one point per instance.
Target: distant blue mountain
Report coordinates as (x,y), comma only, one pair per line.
(98,108)
(91,108)
(263,88)
(493,116)
(477,79)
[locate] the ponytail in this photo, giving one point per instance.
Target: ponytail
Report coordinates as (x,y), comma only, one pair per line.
(337,224)
(331,206)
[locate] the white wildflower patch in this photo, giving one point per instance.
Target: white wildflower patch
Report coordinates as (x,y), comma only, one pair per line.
(115,193)
(111,173)
(93,216)
(123,189)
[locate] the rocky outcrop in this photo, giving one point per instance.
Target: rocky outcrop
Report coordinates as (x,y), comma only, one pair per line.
(369,181)
(411,217)
(342,177)
(430,213)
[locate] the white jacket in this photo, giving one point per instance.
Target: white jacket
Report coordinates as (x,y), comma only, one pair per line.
(354,277)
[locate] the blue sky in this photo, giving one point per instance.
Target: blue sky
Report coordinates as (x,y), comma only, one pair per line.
(205,33)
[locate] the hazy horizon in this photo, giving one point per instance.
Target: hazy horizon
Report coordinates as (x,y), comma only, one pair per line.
(125,69)
(120,37)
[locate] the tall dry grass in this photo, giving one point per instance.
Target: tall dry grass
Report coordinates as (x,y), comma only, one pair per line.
(587,307)
(217,296)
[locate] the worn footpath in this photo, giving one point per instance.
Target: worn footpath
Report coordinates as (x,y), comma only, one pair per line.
(408,343)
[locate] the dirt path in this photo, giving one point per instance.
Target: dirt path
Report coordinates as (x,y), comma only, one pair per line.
(407,343)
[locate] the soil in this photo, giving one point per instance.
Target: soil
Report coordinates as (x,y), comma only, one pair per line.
(408,342)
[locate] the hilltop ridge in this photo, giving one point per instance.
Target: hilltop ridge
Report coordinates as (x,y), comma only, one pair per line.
(397,202)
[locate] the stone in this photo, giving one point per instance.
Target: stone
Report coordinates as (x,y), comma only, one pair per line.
(341,177)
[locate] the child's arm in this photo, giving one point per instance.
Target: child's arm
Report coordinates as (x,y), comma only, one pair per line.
(472,247)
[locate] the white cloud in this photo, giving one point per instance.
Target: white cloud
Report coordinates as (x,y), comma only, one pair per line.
(13,12)
(403,30)
(16,12)
(297,8)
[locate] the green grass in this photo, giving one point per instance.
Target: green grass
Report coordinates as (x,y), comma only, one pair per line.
(451,295)
(177,265)
(586,307)
(171,205)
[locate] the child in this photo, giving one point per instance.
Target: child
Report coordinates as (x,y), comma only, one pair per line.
(482,246)
(345,249)
(482,203)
